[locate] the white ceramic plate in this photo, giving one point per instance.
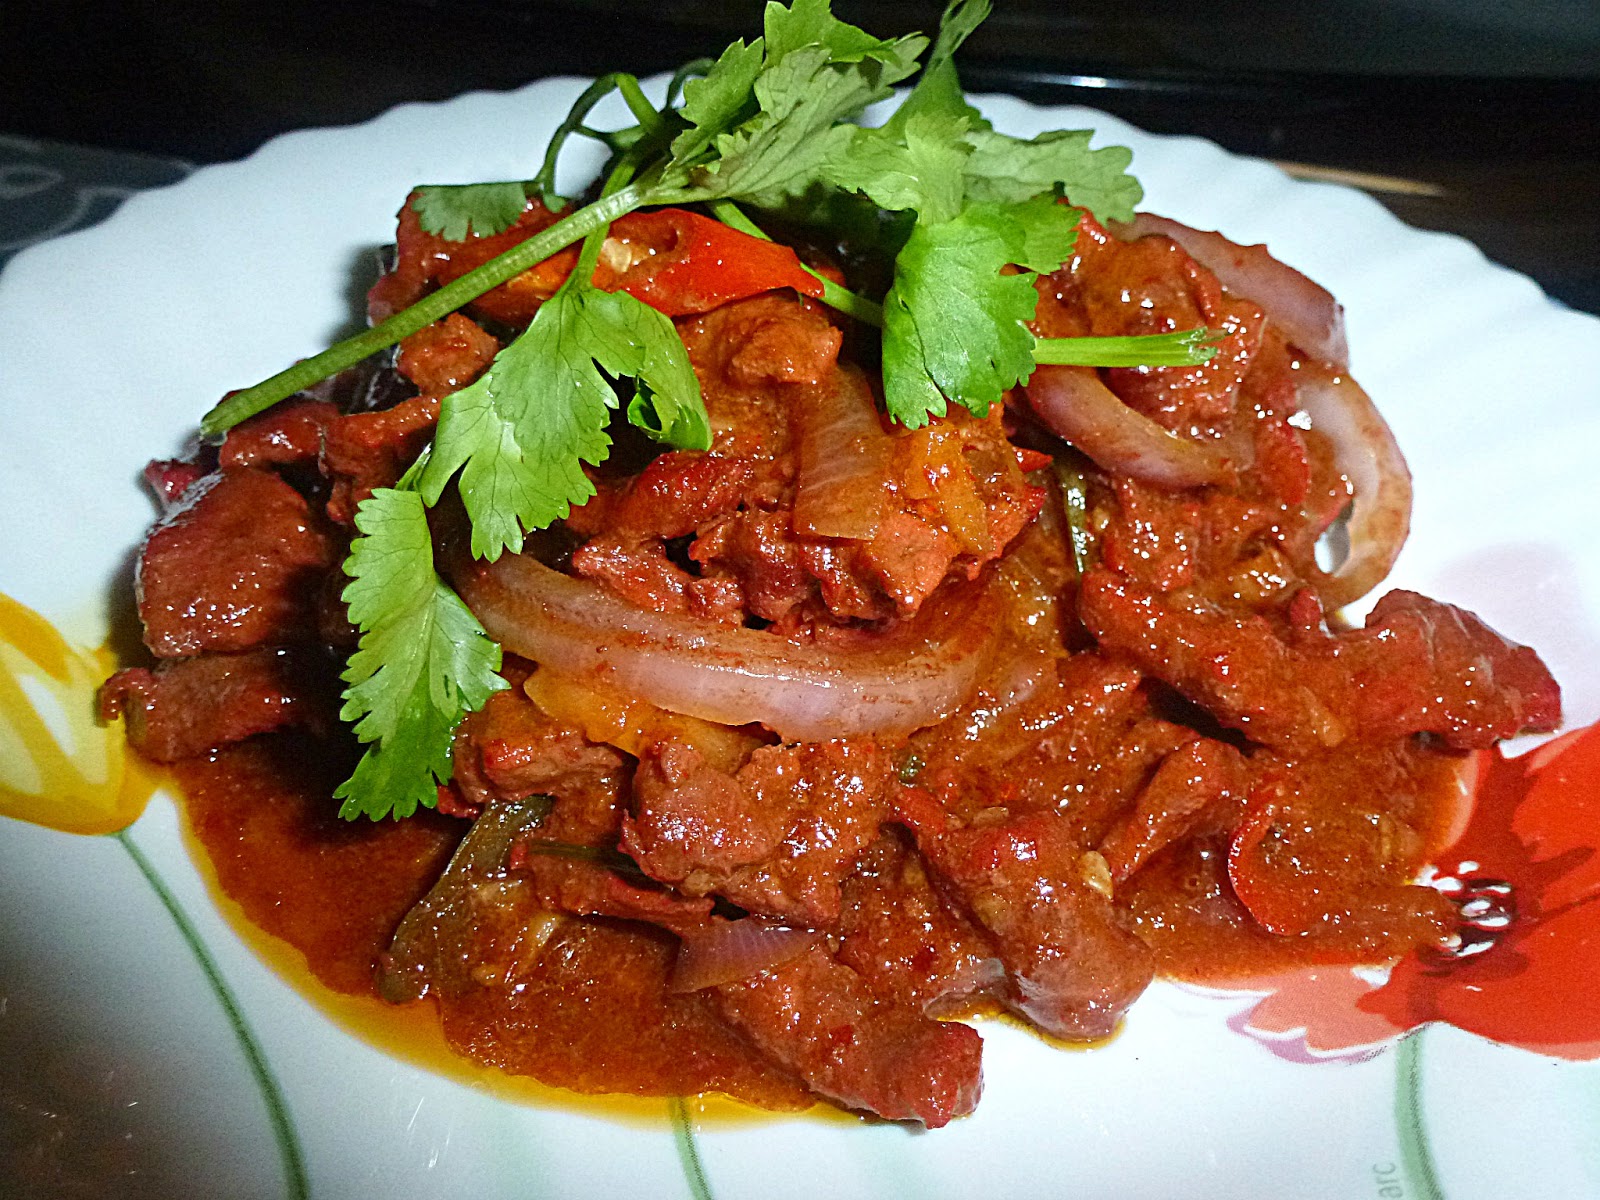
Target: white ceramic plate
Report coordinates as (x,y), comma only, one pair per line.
(148,1049)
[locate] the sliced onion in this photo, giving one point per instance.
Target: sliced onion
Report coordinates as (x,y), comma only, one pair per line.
(727,951)
(1306,312)
(1366,453)
(890,684)
(845,459)
(1076,405)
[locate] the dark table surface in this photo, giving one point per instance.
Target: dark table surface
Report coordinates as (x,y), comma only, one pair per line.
(1470,116)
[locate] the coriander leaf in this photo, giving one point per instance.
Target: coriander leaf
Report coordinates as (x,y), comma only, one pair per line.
(909,393)
(453,210)
(423,663)
(801,96)
(956,24)
(917,167)
(718,100)
(1004,169)
(1049,231)
(812,23)
(954,325)
(938,91)
(522,431)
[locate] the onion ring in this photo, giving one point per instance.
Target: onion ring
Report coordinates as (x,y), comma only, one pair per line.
(845,460)
(725,951)
(1366,453)
(1075,404)
(890,685)
(1306,311)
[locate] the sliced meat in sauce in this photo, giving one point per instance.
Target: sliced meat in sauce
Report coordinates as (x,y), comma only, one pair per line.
(901,936)
(778,838)
(1071,965)
(236,565)
(1418,666)
(1169,762)
(368,450)
(816,1017)
(189,706)
(1199,774)
(510,749)
(286,434)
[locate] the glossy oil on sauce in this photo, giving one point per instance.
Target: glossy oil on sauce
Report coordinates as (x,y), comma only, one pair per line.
(589,1016)
(318,899)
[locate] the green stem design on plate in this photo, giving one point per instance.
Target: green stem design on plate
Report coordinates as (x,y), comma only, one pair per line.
(694,1172)
(294,1167)
(1415,1155)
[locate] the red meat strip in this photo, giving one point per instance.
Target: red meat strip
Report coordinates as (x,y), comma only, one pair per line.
(1071,967)
(778,838)
(191,706)
(285,434)
(595,889)
(170,478)
(1418,666)
(447,355)
(760,551)
(642,574)
(1188,782)
(817,1017)
(676,494)
(236,566)
(903,939)
(510,749)
(370,450)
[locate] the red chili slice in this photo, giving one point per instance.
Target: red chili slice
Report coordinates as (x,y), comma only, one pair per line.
(1266,892)
(683,263)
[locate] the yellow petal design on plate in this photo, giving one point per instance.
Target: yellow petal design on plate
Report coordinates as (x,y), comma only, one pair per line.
(59,765)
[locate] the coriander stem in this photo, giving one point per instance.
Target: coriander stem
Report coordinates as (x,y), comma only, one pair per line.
(430,308)
(834,295)
(1183,348)
(643,111)
(574,122)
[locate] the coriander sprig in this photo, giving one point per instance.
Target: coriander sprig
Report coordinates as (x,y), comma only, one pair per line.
(769,126)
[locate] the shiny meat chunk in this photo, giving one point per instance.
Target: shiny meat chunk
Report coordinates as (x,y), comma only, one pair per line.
(510,749)
(639,572)
(1188,782)
(189,706)
(760,552)
(170,478)
(595,889)
(236,565)
(284,435)
(901,936)
(1111,287)
(1072,735)
(751,357)
(778,838)
(1071,966)
(816,1017)
(370,450)
(908,558)
(678,493)
(768,339)
(1418,666)
(424,260)
(443,357)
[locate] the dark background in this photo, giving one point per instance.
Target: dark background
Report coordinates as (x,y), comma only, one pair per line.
(1482,116)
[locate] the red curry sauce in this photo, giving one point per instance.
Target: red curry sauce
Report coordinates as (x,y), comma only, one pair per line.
(1170,762)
